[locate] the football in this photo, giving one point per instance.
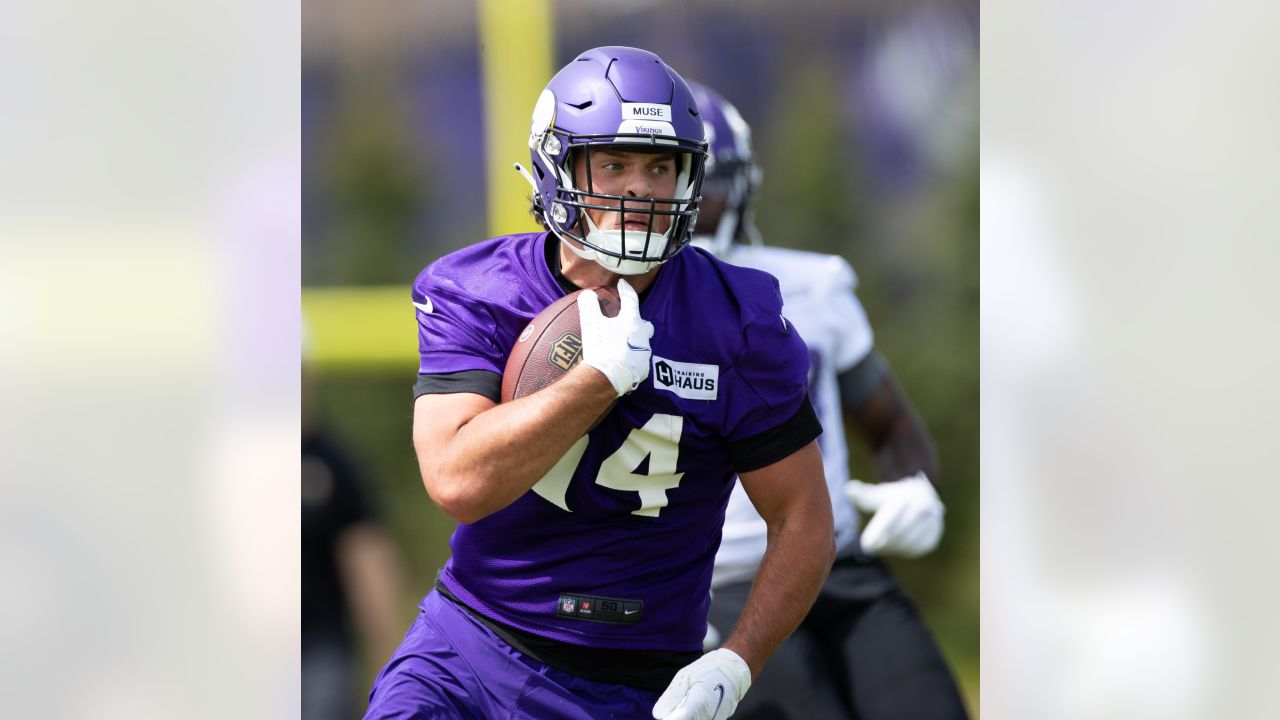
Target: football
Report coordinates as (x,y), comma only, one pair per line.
(550,345)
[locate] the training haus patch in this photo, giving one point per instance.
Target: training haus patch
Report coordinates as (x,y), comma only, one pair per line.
(688,380)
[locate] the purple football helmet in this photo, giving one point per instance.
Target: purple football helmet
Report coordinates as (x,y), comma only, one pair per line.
(732,175)
(625,98)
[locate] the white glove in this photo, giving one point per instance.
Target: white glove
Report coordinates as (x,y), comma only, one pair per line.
(907,519)
(708,688)
(617,346)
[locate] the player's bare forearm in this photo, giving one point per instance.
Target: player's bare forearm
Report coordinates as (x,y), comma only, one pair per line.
(785,587)
(898,439)
(906,450)
(477,457)
(791,495)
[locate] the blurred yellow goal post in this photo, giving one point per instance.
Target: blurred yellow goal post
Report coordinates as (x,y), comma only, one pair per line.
(373,328)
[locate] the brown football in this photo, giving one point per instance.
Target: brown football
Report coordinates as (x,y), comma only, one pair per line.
(550,345)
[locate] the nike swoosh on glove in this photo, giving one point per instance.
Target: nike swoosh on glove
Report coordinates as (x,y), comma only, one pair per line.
(616,346)
(906,516)
(708,688)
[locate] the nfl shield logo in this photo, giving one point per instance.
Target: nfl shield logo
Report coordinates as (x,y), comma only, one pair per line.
(567,604)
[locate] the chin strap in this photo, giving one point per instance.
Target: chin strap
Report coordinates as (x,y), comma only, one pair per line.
(612,239)
(580,252)
(610,263)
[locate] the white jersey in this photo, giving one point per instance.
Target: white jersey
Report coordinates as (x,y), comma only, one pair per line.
(818,298)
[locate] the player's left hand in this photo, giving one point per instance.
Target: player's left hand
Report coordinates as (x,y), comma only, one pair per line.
(907,516)
(708,688)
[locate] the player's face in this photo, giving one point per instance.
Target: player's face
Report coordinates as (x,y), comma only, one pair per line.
(629,174)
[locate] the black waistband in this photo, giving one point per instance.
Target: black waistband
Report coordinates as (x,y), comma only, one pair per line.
(645,669)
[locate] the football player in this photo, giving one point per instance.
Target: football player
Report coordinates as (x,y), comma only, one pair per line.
(863,651)
(579,580)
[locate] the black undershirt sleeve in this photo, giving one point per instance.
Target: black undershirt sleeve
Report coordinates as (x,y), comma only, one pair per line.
(766,448)
(858,382)
(480,382)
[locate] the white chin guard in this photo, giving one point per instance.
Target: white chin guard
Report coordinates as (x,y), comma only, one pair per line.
(612,240)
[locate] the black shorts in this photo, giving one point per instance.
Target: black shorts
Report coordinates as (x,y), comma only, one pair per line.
(863,652)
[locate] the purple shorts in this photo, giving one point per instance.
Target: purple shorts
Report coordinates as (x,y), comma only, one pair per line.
(452,666)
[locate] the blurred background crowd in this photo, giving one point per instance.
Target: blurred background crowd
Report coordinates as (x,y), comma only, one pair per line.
(865,122)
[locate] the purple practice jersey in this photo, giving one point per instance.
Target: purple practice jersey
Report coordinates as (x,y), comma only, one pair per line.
(613,548)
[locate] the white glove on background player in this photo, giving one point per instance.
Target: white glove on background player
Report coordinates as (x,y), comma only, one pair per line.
(906,516)
(617,346)
(708,688)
